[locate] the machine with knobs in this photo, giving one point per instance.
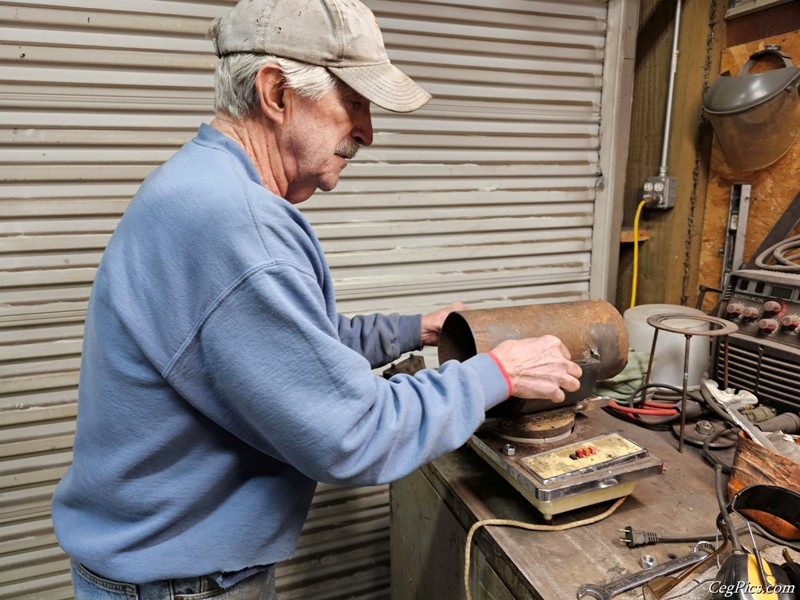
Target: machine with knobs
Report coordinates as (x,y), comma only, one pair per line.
(765,303)
(764,354)
(790,322)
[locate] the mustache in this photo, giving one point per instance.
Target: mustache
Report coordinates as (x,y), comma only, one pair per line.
(347,148)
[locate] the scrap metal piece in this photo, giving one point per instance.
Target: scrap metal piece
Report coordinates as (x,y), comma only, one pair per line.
(592,330)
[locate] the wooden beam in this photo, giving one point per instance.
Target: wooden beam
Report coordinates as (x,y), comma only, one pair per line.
(626,235)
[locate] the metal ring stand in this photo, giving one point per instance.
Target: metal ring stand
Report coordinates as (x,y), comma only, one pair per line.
(725,328)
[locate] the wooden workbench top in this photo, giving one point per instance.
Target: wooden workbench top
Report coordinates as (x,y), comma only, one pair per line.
(553,565)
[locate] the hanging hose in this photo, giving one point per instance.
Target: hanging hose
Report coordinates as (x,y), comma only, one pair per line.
(636,252)
(782,261)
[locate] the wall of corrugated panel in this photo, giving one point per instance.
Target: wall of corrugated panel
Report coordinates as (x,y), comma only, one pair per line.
(486,195)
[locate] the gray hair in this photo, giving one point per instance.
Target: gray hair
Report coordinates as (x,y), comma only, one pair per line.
(235,79)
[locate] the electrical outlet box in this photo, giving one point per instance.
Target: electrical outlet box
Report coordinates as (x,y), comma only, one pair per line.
(659,191)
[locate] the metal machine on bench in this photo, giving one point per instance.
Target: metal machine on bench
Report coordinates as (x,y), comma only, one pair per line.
(555,456)
(763,299)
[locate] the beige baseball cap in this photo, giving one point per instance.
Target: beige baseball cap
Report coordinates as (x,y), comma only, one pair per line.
(340,35)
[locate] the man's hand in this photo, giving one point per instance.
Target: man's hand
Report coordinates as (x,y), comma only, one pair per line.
(432,323)
(539,367)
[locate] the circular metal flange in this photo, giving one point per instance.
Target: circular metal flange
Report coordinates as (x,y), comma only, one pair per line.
(725,327)
(539,428)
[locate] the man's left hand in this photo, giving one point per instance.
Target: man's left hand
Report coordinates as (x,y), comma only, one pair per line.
(433,321)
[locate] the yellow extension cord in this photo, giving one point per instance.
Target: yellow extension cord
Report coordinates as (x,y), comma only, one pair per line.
(530,527)
(636,252)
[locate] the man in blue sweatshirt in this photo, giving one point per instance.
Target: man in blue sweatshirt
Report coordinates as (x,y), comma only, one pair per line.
(218,382)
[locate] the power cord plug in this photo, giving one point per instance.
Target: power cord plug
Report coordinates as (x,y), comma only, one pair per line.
(634,538)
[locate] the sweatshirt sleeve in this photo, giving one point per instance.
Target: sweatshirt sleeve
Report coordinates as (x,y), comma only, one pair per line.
(267,365)
(381,338)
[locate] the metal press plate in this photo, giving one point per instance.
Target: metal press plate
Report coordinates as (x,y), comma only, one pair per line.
(628,462)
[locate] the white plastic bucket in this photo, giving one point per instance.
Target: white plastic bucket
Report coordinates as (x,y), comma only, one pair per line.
(670,348)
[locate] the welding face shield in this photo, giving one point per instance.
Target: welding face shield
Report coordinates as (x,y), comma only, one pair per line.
(756,118)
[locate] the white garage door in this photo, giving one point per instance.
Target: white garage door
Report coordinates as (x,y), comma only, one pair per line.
(498,192)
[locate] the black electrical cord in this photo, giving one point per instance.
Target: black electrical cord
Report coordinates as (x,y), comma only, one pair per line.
(632,397)
(635,538)
(647,422)
(723,510)
(669,396)
(707,449)
(773,538)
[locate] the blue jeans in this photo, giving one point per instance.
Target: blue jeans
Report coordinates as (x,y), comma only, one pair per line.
(89,586)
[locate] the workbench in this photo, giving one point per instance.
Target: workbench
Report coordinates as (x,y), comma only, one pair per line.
(434,508)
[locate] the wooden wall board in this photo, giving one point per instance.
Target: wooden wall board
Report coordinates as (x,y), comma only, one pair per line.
(667,262)
(773,187)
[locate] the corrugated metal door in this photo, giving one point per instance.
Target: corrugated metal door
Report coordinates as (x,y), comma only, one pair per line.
(488,195)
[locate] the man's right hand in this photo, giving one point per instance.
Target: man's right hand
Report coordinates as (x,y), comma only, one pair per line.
(539,368)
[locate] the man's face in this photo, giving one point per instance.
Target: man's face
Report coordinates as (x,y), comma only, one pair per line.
(320,137)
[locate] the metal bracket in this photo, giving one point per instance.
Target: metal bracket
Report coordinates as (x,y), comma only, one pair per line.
(738,211)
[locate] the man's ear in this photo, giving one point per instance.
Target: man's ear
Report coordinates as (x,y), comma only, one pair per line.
(270,89)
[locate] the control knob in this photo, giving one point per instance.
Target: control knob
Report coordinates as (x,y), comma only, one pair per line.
(750,312)
(768,325)
(790,321)
(772,306)
(734,308)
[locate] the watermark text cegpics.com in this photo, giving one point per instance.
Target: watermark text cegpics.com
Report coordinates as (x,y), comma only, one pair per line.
(732,589)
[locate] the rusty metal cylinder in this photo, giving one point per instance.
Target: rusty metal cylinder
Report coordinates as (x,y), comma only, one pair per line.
(590,329)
